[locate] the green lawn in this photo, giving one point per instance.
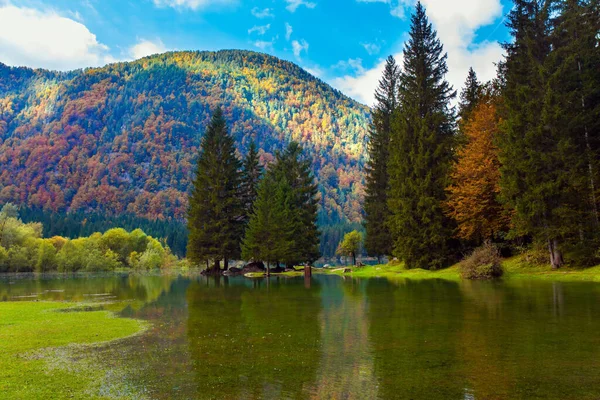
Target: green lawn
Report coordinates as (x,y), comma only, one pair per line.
(32,352)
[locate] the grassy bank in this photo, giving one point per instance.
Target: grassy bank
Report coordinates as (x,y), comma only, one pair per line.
(514,268)
(34,364)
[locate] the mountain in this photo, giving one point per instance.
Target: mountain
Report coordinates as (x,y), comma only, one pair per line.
(122,139)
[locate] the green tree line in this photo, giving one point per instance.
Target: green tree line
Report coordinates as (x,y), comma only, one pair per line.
(23,249)
(518,162)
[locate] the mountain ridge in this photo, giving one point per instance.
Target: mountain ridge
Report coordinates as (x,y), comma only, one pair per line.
(123,138)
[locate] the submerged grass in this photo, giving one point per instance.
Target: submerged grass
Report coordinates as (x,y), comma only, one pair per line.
(36,337)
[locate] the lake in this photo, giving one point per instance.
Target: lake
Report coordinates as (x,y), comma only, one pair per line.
(336,338)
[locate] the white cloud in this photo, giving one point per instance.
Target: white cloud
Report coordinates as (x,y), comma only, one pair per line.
(396,6)
(294,4)
(260,30)
(45,39)
(264,13)
(192,4)
(299,47)
(288,31)
(371,48)
(146,48)
(264,45)
(456,23)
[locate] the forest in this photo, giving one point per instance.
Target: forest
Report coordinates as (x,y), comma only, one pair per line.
(122,139)
(514,167)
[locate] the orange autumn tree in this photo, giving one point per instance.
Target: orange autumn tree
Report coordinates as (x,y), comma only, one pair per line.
(473,196)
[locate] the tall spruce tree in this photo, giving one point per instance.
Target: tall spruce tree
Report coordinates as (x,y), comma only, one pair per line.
(539,159)
(215,210)
(469,96)
(571,108)
(293,167)
(421,151)
(252,172)
(378,241)
(269,234)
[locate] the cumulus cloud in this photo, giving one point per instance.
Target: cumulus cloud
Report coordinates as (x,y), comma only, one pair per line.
(292,5)
(456,23)
(288,31)
(146,48)
(260,30)
(264,13)
(299,46)
(45,39)
(192,4)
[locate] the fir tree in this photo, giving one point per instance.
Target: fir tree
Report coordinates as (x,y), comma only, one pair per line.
(469,96)
(293,167)
(252,171)
(378,240)
(535,156)
(269,234)
(421,151)
(215,208)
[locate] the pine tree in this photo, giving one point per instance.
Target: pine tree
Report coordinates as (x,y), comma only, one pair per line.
(269,234)
(293,167)
(469,96)
(571,107)
(378,240)
(538,159)
(252,172)
(215,211)
(421,151)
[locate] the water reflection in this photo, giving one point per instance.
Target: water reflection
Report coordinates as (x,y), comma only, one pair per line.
(337,338)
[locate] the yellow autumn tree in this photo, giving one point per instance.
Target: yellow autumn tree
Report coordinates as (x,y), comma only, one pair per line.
(473,196)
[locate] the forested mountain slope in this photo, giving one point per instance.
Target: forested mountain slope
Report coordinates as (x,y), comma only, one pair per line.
(123,139)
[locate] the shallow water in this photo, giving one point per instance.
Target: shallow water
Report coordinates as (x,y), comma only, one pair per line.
(335,338)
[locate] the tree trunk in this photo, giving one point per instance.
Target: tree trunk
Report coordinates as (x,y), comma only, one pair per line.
(217,266)
(590,161)
(268,269)
(226,264)
(556,258)
(354,259)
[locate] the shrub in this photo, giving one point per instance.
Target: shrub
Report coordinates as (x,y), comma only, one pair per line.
(484,263)
(150,259)
(46,260)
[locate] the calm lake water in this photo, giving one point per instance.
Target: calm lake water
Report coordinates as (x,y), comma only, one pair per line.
(335,338)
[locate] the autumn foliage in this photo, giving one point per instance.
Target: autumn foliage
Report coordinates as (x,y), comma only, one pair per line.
(473,195)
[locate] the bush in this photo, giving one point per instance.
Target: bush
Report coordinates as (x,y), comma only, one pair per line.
(484,263)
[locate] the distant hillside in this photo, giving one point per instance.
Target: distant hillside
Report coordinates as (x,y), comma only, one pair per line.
(123,138)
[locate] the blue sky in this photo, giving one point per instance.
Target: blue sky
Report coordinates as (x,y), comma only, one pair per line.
(344,42)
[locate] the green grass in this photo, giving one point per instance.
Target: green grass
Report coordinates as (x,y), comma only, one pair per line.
(514,268)
(34,364)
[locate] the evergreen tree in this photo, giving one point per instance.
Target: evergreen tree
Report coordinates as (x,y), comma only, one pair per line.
(215,207)
(470,95)
(269,234)
(378,240)
(251,173)
(421,151)
(539,160)
(571,107)
(293,167)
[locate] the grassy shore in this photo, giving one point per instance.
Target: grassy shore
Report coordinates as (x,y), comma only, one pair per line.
(514,268)
(34,362)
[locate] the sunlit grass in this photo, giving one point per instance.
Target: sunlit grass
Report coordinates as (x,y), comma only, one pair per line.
(33,336)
